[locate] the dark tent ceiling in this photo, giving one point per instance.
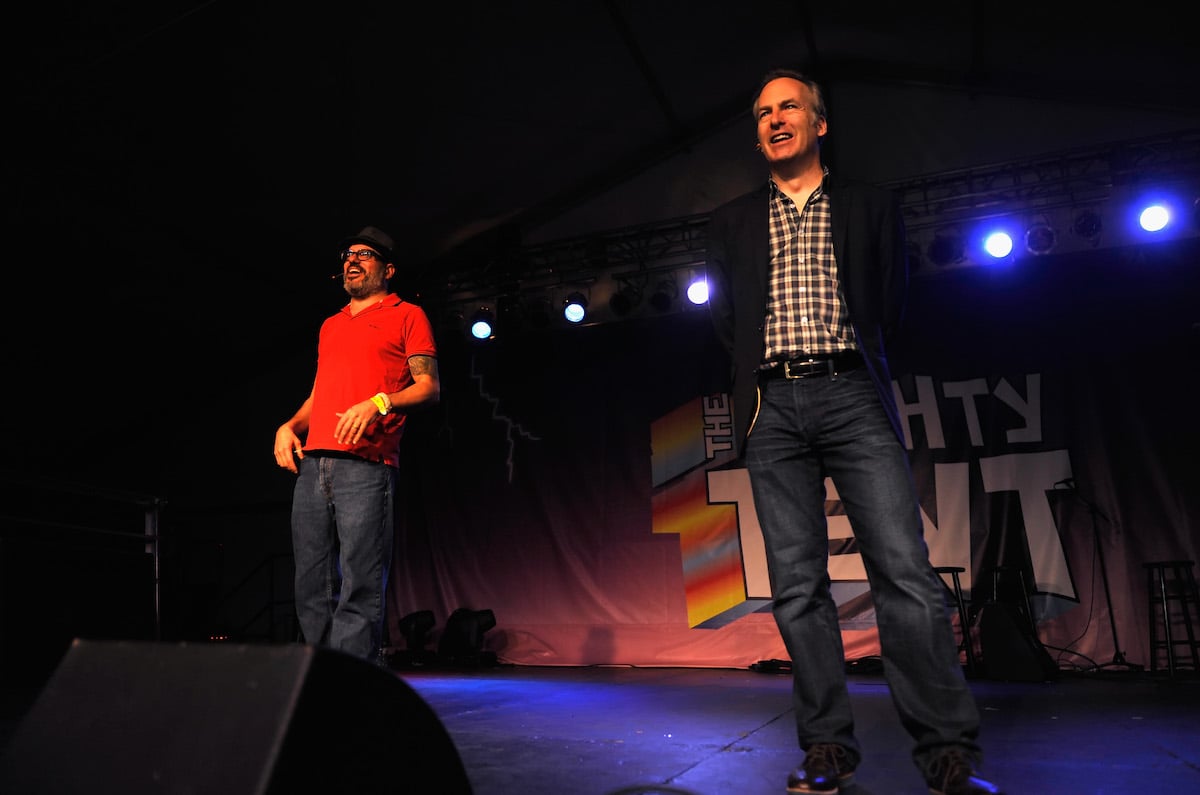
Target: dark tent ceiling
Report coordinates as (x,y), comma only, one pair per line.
(218,122)
(197,161)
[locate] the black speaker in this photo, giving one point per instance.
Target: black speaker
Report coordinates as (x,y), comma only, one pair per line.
(137,717)
(1010,650)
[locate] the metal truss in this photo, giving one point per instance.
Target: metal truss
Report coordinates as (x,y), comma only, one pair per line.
(1048,191)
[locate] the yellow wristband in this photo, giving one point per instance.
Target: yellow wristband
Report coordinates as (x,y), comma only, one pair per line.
(381,403)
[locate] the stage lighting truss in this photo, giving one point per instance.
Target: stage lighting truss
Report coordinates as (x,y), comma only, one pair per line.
(1124,219)
(1054,205)
(658,291)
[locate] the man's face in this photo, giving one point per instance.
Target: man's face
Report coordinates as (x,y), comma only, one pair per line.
(787,126)
(364,272)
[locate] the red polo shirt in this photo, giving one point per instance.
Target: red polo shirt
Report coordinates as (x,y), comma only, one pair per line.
(358,356)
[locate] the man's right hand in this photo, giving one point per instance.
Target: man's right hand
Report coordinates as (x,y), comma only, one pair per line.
(288,449)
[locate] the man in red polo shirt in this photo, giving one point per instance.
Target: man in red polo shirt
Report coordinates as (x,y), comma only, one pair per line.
(376,362)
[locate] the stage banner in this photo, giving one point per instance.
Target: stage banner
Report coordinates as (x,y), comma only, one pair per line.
(580,483)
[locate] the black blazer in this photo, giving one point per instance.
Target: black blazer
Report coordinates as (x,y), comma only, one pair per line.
(869,244)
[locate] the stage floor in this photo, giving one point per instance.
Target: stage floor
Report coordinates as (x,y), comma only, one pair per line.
(703,731)
(647,731)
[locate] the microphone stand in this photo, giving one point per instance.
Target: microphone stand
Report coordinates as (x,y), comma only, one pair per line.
(1118,660)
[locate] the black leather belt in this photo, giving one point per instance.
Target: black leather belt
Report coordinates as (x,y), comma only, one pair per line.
(821,364)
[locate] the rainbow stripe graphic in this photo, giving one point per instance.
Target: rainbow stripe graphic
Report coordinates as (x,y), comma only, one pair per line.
(682,444)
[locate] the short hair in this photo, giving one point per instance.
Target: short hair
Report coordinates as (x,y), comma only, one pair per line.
(774,74)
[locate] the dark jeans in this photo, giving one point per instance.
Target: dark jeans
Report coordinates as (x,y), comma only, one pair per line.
(342,535)
(809,429)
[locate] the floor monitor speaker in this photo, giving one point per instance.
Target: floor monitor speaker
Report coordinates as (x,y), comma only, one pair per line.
(135,717)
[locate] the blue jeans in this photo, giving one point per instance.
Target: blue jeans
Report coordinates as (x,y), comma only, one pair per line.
(806,430)
(342,533)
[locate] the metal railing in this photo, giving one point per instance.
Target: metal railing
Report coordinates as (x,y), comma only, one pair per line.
(33,506)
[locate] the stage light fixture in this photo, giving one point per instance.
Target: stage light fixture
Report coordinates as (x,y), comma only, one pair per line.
(625,300)
(946,248)
(462,639)
(415,627)
(998,244)
(664,295)
(575,307)
(483,324)
(1040,239)
(1087,225)
(697,291)
(1154,218)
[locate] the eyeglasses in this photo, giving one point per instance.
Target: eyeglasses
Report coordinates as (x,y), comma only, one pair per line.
(359,255)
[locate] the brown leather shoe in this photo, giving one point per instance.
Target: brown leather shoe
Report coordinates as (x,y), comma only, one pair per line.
(826,767)
(952,772)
